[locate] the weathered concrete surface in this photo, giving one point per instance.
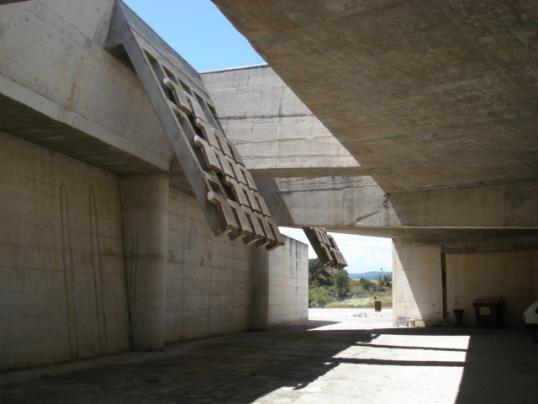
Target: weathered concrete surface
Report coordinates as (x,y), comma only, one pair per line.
(275,132)
(62,285)
(510,275)
(426,95)
(67,242)
(356,204)
(74,96)
(503,268)
(209,280)
(417,283)
(280,285)
(144,208)
(335,361)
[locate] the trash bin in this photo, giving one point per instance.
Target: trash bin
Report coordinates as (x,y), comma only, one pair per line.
(377,305)
(489,313)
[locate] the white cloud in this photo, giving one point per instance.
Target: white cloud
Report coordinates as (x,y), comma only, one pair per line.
(362,253)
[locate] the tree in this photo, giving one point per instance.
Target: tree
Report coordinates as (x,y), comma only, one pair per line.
(365,284)
(319,296)
(341,284)
(318,274)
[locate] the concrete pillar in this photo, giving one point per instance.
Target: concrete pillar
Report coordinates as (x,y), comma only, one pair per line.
(144,202)
(417,292)
(259,315)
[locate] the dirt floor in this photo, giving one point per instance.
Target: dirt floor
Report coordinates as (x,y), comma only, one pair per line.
(341,356)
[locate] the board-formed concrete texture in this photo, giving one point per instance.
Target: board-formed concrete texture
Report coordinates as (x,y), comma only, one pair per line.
(103,247)
(71,288)
(272,128)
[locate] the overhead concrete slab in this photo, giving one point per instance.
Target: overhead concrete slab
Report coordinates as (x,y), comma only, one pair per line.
(358,205)
(425,95)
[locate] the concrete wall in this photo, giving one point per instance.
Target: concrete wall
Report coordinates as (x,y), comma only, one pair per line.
(280,285)
(62,287)
(217,286)
(288,283)
(417,282)
(510,275)
(62,268)
(208,279)
(474,269)
(274,131)
(53,57)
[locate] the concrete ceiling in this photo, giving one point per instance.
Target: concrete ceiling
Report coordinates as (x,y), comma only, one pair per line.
(424,94)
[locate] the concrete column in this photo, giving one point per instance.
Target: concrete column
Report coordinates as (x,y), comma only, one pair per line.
(144,201)
(259,314)
(417,292)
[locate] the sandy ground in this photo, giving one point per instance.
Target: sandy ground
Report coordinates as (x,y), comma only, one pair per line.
(340,356)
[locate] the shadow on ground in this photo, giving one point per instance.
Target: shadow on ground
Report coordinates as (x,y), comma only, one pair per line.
(248,366)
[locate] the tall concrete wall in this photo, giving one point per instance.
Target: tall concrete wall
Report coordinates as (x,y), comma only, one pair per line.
(280,285)
(62,285)
(208,279)
(510,275)
(288,283)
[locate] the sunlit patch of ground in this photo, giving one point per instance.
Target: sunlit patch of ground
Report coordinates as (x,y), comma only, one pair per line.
(340,356)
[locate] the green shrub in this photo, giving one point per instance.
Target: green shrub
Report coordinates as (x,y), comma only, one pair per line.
(319,296)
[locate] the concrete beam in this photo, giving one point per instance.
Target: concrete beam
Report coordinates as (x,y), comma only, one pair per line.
(61,89)
(274,131)
(358,204)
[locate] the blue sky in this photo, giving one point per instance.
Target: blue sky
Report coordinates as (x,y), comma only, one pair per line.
(198,31)
(363,254)
(205,38)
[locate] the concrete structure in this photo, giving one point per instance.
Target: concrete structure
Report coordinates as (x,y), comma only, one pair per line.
(103,246)
(107,235)
(274,131)
(437,104)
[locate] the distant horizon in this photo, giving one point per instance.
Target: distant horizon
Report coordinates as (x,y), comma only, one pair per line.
(365,272)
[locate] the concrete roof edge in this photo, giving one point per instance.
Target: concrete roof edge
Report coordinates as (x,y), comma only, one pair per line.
(235,68)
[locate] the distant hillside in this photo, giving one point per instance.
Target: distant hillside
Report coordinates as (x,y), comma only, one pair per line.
(371,276)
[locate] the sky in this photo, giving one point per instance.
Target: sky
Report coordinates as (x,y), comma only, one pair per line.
(363,254)
(198,31)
